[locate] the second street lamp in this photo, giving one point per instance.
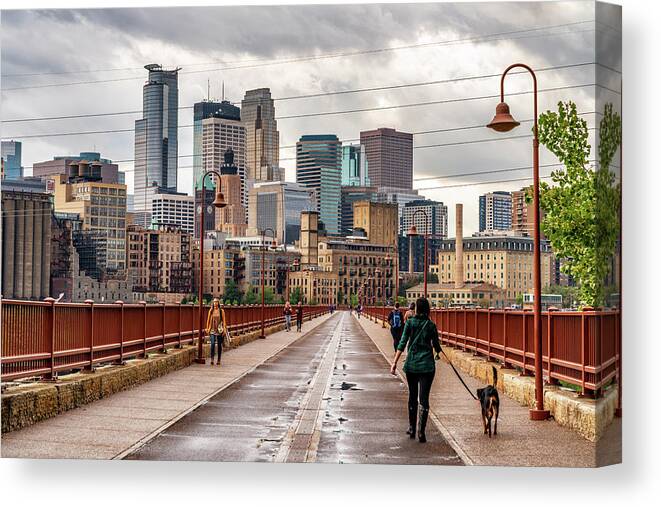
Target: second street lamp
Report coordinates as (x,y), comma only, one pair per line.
(504,122)
(219,202)
(413,231)
(264,231)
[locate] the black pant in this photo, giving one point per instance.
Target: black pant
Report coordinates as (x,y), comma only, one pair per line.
(419,383)
(216,339)
(396,336)
(299,324)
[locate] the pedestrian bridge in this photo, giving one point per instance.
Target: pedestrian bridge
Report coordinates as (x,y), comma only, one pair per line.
(323,395)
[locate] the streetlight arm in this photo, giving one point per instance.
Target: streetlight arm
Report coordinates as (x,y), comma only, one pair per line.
(534,84)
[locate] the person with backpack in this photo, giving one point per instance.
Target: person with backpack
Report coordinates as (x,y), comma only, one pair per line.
(421,335)
(396,322)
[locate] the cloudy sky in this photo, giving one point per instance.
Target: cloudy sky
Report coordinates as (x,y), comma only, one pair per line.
(77,62)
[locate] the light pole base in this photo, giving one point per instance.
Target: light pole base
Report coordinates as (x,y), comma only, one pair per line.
(539,415)
(200,360)
(262,337)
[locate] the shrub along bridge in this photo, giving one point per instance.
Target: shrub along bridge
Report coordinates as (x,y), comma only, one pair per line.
(42,339)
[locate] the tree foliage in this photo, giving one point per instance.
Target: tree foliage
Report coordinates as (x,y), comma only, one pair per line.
(295,295)
(581,209)
(232,292)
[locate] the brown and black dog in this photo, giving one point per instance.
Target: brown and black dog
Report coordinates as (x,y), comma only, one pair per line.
(490,403)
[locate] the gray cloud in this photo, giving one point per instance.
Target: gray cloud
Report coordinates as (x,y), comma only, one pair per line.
(96,39)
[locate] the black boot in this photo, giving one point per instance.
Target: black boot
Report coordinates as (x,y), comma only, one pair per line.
(413,413)
(424,413)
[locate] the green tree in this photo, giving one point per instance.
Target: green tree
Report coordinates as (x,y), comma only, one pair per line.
(251,297)
(581,209)
(519,299)
(432,277)
(295,295)
(232,292)
(353,299)
(340,297)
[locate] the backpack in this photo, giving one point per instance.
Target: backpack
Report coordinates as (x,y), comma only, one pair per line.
(396,320)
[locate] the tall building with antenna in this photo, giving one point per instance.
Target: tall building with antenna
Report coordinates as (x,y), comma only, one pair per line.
(262,136)
(156,138)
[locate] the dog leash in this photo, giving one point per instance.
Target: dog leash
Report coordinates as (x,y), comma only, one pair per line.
(459,376)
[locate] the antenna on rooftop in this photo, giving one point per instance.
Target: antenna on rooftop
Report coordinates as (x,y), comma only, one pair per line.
(223,91)
(208,90)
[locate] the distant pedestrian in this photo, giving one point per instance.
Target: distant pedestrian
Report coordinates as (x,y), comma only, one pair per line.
(359,310)
(421,335)
(216,329)
(288,313)
(350,309)
(299,317)
(396,321)
(410,312)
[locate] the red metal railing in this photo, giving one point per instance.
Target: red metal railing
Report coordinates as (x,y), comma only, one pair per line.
(581,348)
(40,339)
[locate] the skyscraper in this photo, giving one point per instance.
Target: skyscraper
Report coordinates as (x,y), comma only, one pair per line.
(11,155)
(278,205)
(354,166)
(389,155)
(435,223)
(232,218)
(319,168)
(212,138)
(262,136)
(156,136)
(496,211)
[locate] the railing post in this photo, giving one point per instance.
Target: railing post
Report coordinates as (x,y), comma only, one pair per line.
(504,361)
(524,343)
(549,344)
(121,333)
(583,337)
(90,367)
(179,327)
(50,330)
(489,310)
(465,327)
(144,328)
(599,363)
(618,351)
(164,349)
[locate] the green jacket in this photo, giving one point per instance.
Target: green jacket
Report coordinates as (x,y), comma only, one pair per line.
(422,337)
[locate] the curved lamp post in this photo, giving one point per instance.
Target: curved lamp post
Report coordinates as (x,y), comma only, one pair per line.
(264,231)
(219,202)
(413,231)
(504,122)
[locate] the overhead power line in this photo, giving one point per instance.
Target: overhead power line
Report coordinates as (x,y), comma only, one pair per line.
(314,95)
(314,114)
(478,38)
(416,133)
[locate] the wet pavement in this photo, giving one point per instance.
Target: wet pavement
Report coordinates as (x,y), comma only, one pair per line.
(328,397)
(520,441)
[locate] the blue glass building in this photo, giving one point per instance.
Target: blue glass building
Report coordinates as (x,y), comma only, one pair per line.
(319,168)
(11,154)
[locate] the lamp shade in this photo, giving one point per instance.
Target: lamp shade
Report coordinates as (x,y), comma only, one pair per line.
(413,231)
(219,201)
(503,121)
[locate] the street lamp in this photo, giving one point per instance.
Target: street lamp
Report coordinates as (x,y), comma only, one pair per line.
(504,122)
(219,202)
(264,231)
(413,231)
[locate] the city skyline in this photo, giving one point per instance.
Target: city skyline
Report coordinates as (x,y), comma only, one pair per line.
(150,31)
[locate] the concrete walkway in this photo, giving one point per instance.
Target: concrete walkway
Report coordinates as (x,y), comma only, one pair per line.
(520,442)
(112,427)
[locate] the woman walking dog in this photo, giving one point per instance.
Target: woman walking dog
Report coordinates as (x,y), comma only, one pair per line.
(422,337)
